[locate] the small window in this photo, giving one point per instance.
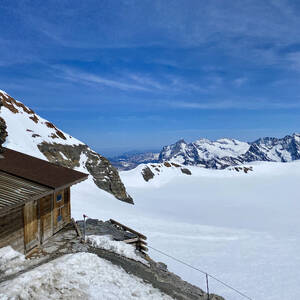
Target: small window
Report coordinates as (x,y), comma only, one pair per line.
(58,197)
(59,218)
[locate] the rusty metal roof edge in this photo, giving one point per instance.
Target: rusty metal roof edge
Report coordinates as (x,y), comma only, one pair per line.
(47,186)
(42,160)
(72,183)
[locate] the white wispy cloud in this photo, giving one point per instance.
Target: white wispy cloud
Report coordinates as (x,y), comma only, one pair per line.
(234,104)
(131,81)
(85,77)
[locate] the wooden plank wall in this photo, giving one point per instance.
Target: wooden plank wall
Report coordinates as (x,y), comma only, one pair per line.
(12,229)
(31,225)
(40,219)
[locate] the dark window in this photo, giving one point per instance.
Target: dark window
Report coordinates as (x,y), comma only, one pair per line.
(58,197)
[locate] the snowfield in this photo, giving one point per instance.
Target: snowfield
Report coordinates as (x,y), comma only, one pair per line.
(242,228)
(78,276)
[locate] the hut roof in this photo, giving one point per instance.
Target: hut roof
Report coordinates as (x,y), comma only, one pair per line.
(15,191)
(38,171)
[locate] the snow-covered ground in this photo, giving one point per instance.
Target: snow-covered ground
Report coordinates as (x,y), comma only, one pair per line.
(76,276)
(107,243)
(242,228)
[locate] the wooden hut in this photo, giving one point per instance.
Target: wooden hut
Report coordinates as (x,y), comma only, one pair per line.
(34,199)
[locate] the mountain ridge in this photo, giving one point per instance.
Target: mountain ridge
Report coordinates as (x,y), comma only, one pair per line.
(29,133)
(225,152)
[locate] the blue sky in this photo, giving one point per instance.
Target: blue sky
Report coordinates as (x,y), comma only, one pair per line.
(124,75)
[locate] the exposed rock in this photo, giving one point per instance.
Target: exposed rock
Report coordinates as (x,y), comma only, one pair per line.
(98,227)
(154,170)
(147,174)
(175,165)
(241,169)
(104,174)
(3,132)
(186,171)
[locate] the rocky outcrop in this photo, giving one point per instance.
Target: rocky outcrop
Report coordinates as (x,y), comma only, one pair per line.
(186,171)
(105,176)
(151,171)
(147,174)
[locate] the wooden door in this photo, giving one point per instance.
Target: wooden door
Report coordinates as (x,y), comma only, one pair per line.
(62,210)
(59,205)
(45,217)
(31,238)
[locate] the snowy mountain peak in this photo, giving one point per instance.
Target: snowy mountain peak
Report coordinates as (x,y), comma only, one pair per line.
(204,152)
(31,128)
(31,134)
(225,152)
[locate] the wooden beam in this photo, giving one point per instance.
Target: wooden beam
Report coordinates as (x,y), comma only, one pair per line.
(142,248)
(131,241)
(76,228)
(127,228)
(143,242)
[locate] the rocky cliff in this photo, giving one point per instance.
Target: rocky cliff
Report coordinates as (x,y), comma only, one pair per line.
(105,176)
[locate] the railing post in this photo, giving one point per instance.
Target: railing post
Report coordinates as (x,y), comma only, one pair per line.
(207,288)
(84,226)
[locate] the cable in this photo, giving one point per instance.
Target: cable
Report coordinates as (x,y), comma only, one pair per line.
(203,272)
